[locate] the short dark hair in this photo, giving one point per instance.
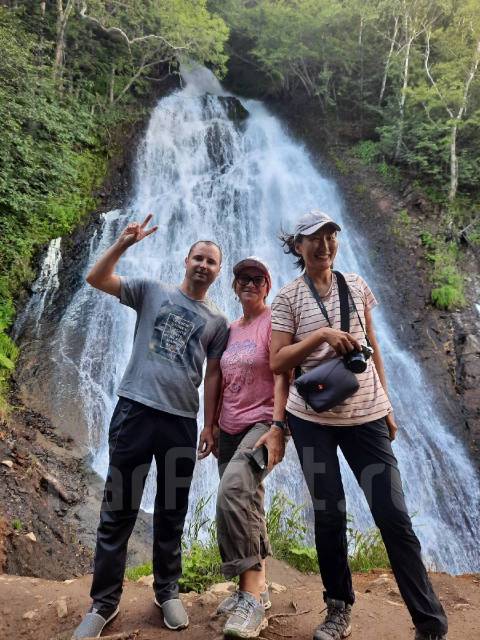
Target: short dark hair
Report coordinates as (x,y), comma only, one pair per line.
(288,243)
(210,243)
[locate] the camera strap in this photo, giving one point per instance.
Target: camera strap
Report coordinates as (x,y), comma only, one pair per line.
(344,294)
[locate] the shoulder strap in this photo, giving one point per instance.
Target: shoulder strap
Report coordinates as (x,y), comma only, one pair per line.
(343,293)
(343,286)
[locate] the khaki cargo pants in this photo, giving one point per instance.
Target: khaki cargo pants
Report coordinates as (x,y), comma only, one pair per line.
(241,529)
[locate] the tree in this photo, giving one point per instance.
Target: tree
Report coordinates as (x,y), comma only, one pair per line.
(451,77)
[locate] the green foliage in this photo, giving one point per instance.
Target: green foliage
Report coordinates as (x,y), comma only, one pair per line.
(59,114)
(201,559)
(366,550)
(287,533)
(367,151)
(427,240)
(448,283)
(17,524)
(134,573)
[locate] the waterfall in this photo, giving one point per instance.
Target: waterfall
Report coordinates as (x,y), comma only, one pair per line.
(205,172)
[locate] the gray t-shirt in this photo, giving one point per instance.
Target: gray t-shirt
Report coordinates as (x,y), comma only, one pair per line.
(173,336)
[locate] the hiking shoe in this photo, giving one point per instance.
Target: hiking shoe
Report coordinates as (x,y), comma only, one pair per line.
(337,621)
(419,635)
(228,605)
(248,618)
(174,614)
(95,619)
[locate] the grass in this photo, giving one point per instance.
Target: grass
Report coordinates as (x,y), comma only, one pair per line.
(287,532)
(17,524)
(448,292)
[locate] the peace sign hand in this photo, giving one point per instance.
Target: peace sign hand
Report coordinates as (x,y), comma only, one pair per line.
(134,232)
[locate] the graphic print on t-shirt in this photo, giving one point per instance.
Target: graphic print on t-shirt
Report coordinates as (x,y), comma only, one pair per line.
(238,362)
(176,334)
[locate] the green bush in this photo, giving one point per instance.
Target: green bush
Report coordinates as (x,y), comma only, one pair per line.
(366,550)
(448,290)
(287,532)
(367,151)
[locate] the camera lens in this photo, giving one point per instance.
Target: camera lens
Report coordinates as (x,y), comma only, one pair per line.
(356,362)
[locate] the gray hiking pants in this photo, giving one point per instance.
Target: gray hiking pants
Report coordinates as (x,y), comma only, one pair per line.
(241,530)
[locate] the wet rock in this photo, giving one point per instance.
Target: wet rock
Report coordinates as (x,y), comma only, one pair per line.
(234,108)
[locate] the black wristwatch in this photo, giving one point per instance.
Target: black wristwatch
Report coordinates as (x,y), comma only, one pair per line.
(281,424)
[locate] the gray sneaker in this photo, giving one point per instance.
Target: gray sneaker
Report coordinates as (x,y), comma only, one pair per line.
(337,621)
(419,635)
(174,614)
(228,605)
(93,622)
(248,619)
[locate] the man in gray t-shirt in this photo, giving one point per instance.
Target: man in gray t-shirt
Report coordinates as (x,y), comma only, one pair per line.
(177,329)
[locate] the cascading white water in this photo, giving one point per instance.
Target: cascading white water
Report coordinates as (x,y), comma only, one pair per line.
(203,176)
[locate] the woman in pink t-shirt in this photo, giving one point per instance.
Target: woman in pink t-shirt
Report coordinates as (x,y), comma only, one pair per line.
(251,417)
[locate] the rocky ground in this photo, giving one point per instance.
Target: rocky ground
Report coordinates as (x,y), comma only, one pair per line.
(35,609)
(49,502)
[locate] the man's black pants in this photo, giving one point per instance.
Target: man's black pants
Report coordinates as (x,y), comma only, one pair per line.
(137,433)
(368,451)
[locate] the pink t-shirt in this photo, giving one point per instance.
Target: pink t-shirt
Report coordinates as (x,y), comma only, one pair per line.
(247,379)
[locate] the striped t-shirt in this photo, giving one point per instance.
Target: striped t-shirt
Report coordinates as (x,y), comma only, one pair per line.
(296,311)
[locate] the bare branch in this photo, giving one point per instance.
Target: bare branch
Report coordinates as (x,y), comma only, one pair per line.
(116,31)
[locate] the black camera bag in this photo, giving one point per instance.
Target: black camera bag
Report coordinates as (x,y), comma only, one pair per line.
(331,382)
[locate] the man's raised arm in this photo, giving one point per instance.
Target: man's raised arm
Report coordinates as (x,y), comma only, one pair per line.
(101,275)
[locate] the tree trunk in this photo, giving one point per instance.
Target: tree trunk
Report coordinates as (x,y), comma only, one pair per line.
(453,138)
(387,64)
(403,95)
(62,20)
(112,85)
(362,71)
(453,163)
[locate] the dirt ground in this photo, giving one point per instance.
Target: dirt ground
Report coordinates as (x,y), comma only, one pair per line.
(30,608)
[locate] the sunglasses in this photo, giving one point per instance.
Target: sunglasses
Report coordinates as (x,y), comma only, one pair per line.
(258,281)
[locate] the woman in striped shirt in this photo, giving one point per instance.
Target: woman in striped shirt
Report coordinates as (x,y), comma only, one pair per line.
(362,426)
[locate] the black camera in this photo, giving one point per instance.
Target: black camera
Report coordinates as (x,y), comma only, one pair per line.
(356,360)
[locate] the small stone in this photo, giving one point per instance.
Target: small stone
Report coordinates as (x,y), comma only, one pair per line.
(207,598)
(31,536)
(29,615)
(146,580)
(7,463)
(394,604)
(277,588)
(383,583)
(461,606)
(68,581)
(61,606)
(222,588)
